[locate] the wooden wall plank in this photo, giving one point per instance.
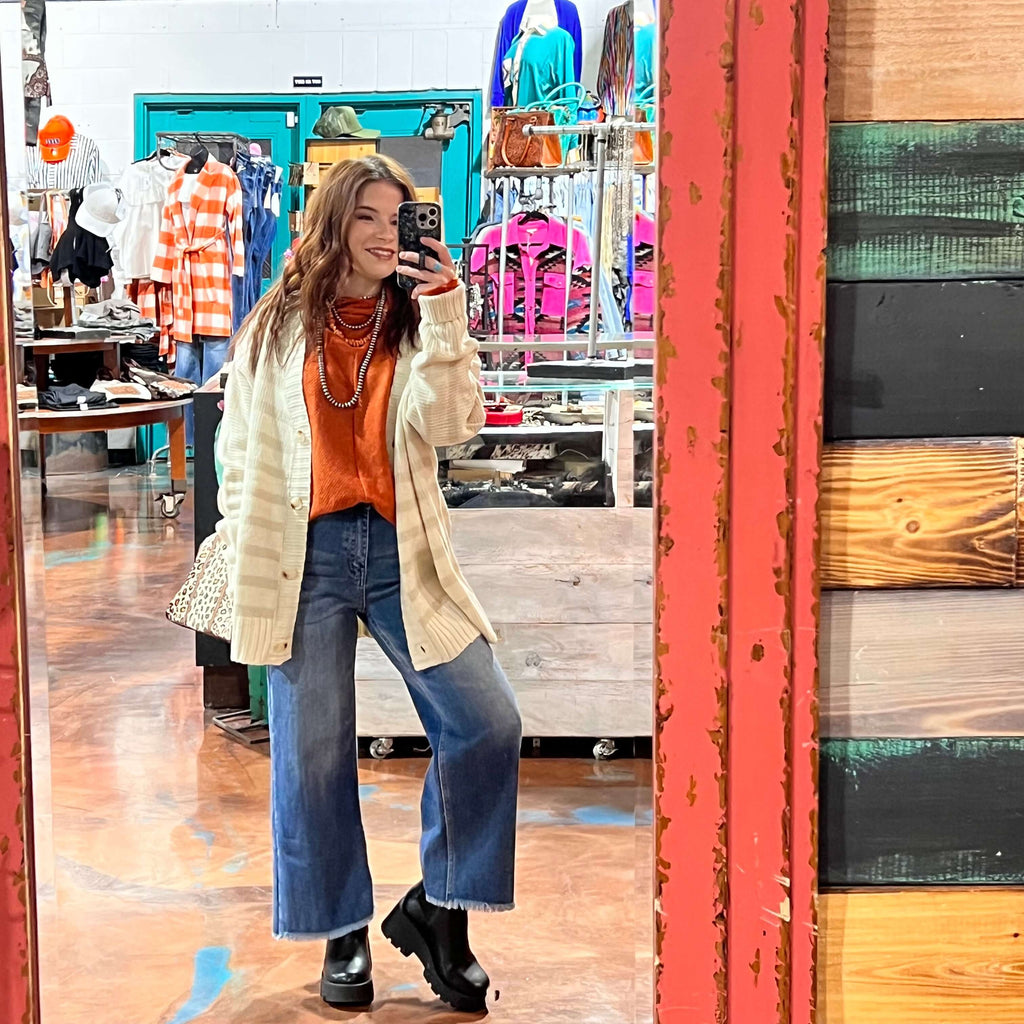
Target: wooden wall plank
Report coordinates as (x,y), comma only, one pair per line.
(922,663)
(922,812)
(550,707)
(1020,512)
(544,651)
(936,359)
(919,60)
(922,201)
(556,593)
(921,957)
(907,513)
(566,536)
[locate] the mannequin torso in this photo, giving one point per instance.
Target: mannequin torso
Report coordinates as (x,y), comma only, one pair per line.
(644,13)
(539,14)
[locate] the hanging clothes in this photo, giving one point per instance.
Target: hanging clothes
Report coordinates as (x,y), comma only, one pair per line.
(645,37)
(538,62)
(81,168)
(261,183)
(192,251)
(34,74)
(642,296)
(144,187)
(615,78)
(80,254)
(511,23)
(156,303)
(535,276)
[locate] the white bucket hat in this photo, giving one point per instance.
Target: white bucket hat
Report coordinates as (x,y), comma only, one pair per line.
(99,210)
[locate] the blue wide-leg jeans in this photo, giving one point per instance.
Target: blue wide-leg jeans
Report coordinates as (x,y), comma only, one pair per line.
(322,885)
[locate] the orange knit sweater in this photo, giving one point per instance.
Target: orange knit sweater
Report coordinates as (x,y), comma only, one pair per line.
(350,456)
(349,446)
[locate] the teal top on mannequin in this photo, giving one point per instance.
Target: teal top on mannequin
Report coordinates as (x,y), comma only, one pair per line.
(645,58)
(547,62)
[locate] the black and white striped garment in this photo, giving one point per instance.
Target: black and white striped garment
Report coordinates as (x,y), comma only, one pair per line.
(81,168)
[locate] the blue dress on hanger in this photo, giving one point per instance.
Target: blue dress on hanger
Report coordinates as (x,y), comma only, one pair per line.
(568,19)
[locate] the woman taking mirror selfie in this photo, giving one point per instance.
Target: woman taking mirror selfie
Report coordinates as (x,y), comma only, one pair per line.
(344,379)
(421,490)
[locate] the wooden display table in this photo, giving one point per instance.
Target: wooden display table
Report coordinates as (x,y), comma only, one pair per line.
(138,414)
(40,350)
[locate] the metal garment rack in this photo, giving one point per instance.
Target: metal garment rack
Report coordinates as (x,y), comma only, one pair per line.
(238,143)
(505,175)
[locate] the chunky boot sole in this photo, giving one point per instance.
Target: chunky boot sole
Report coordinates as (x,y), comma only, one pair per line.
(407,939)
(346,995)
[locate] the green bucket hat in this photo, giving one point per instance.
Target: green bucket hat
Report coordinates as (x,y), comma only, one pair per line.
(342,123)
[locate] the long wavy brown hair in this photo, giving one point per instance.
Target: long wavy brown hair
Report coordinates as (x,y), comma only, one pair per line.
(322,261)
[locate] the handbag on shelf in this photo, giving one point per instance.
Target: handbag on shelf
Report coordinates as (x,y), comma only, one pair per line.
(204,601)
(563,102)
(511,148)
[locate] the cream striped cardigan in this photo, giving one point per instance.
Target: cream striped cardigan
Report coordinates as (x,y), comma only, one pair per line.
(264,497)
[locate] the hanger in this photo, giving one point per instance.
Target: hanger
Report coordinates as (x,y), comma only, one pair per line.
(199,157)
(528,216)
(158,155)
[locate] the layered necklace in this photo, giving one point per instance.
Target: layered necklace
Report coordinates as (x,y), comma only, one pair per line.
(336,322)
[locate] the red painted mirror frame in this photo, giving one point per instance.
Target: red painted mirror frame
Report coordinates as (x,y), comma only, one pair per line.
(742,179)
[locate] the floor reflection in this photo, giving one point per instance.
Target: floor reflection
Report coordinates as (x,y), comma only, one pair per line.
(155,875)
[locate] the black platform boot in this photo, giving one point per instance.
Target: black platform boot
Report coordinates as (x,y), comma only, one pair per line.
(440,939)
(347,979)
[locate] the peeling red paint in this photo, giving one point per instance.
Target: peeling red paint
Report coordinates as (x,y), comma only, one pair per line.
(19,975)
(740,329)
(692,509)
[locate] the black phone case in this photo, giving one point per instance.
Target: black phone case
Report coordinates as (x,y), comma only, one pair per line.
(414,221)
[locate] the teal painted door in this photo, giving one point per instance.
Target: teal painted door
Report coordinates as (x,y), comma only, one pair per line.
(268,127)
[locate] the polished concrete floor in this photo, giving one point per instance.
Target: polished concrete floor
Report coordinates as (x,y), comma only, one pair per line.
(154,869)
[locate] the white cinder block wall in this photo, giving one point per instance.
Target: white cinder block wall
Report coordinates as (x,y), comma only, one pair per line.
(102,52)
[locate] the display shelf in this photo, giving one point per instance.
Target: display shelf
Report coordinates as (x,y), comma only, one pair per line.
(562,342)
(538,385)
(497,173)
(541,431)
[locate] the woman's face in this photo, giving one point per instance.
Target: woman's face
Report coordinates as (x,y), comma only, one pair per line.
(373,233)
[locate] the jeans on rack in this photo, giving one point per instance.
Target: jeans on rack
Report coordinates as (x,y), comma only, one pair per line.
(322,884)
(265,223)
(199,360)
(250,174)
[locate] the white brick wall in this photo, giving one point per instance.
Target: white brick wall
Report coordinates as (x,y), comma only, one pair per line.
(101,52)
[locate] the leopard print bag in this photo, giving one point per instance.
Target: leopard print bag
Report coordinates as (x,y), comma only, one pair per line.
(204,602)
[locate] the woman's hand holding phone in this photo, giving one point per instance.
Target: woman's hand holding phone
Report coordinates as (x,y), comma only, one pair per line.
(435,274)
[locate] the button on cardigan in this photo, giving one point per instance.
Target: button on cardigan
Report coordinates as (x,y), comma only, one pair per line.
(264,446)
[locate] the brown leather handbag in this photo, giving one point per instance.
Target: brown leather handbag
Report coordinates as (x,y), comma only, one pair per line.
(511,148)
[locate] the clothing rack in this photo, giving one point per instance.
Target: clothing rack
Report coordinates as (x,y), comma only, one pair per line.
(188,142)
(600,130)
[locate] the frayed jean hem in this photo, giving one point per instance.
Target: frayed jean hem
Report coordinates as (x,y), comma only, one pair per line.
(334,934)
(486,908)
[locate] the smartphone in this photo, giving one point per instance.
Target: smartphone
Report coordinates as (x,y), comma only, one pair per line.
(415,221)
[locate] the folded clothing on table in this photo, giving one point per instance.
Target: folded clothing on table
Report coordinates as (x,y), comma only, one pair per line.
(123,391)
(72,397)
(119,315)
(162,385)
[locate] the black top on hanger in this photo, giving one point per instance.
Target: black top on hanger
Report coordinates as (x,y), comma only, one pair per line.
(198,160)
